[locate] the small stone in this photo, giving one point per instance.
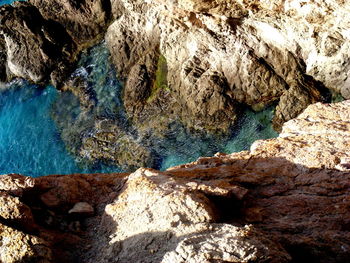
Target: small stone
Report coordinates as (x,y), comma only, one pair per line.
(82,208)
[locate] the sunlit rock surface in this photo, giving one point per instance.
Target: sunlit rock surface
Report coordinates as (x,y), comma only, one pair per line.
(285,200)
(194,64)
(225,53)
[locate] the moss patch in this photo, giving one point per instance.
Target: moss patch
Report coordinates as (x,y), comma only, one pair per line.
(160,81)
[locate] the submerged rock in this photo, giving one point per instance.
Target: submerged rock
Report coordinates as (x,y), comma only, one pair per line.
(110,143)
(285,200)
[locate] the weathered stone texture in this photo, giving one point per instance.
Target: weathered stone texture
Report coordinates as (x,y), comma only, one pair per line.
(285,200)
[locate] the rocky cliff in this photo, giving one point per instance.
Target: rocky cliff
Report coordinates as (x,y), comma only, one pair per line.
(39,40)
(197,63)
(285,200)
(224,54)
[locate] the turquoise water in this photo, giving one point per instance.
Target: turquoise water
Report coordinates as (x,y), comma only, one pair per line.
(29,141)
(185,147)
(31,144)
(4,2)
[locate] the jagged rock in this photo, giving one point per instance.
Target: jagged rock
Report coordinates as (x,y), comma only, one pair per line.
(16,246)
(296,189)
(260,53)
(34,46)
(11,208)
(39,40)
(285,200)
(155,214)
(3,68)
(227,243)
(84,21)
(15,183)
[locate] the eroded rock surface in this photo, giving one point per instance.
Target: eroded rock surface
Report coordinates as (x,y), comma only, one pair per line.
(225,53)
(85,21)
(39,40)
(33,46)
(285,200)
(191,63)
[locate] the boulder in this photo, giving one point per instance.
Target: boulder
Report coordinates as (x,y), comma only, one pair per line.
(82,208)
(33,45)
(85,21)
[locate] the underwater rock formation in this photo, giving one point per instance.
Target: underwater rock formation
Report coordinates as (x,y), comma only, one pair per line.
(285,200)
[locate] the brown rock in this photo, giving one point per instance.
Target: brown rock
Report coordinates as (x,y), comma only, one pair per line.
(220,54)
(296,189)
(159,219)
(15,183)
(285,200)
(226,243)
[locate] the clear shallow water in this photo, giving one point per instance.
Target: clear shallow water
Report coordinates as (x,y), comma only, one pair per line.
(187,148)
(30,142)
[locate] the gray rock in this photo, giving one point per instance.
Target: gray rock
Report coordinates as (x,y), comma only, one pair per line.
(218,55)
(33,45)
(84,21)
(82,208)
(227,243)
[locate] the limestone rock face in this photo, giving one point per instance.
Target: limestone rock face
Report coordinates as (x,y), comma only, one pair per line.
(83,20)
(226,243)
(225,53)
(31,46)
(40,39)
(11,208)
(285,200)
(158,219)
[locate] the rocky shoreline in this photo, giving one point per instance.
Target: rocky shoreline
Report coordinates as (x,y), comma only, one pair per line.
(285,200)
(197,63)
(194,62)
